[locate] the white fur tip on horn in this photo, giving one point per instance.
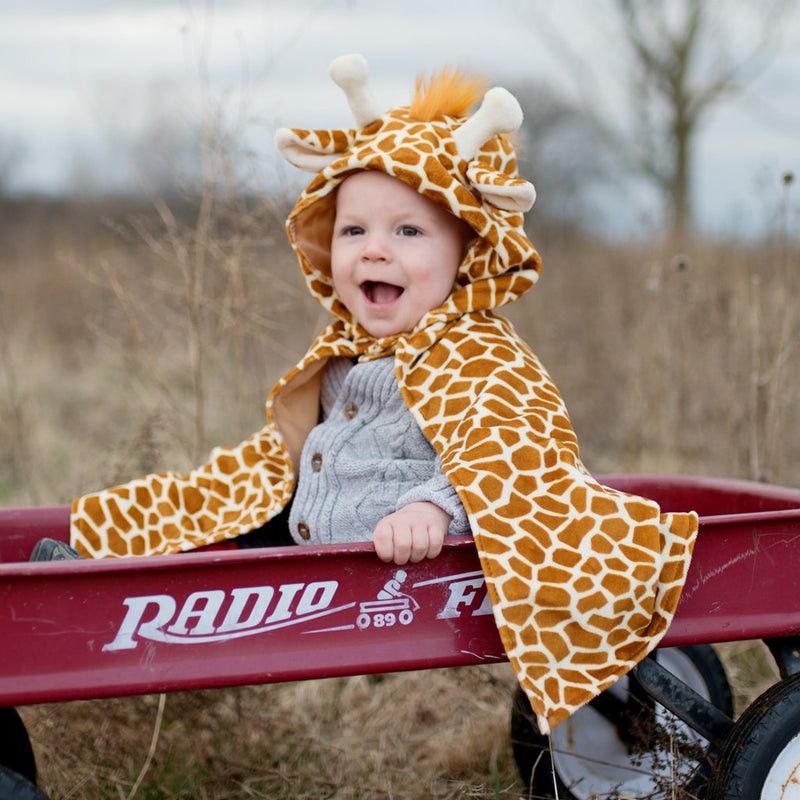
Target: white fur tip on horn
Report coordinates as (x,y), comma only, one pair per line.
(499,113)
(349,69)
(351,73)
(505,109)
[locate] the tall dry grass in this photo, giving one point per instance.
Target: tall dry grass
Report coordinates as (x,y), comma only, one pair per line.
(134,338)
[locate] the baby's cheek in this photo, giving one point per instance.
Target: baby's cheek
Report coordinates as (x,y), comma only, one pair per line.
(430,295)
(341,274)
(345,291)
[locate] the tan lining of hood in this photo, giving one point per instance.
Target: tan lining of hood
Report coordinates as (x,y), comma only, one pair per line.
(295,409)
(313,229)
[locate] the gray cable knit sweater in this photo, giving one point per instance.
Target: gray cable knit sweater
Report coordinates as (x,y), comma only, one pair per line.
(367,459)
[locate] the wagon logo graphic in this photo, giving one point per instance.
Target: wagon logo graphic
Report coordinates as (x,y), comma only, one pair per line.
(215,615)
(392,606)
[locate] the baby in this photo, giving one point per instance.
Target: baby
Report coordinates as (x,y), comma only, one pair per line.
(436,416)
(368,472)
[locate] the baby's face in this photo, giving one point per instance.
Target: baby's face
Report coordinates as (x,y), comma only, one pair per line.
(394,253)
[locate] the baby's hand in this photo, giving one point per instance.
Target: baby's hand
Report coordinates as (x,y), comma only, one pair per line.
(413,533)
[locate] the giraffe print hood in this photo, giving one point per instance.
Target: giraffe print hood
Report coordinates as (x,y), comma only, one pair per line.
(466,165)
(583,579)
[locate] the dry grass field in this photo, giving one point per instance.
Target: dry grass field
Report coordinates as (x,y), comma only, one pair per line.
(134,339)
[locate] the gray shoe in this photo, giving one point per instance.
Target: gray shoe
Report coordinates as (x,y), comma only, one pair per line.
(53,550)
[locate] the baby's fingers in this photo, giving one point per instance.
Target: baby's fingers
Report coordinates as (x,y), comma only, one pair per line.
(402,544)
(383,541)
(420,543)
(435,540)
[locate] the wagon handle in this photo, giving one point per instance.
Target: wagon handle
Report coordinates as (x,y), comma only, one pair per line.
(686,704)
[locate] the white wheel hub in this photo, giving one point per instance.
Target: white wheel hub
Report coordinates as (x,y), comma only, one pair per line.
(593,761)
(783,779)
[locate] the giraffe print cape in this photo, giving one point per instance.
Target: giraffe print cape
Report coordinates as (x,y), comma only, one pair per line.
(584,580)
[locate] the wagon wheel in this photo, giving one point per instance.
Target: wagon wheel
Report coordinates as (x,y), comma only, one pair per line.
(760,759)
(622,744)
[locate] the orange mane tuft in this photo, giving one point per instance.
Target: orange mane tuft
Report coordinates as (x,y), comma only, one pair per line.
(449,93)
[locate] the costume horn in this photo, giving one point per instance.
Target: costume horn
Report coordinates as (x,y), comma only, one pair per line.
(351,73)
(499,113)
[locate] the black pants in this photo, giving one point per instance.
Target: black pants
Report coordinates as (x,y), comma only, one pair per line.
(274,533)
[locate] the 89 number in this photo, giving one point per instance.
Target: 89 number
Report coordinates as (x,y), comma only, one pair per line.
(386,620)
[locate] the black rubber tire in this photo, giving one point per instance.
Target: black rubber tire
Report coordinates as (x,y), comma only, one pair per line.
(16,752)
(765,728)
(532,749)
(14,786)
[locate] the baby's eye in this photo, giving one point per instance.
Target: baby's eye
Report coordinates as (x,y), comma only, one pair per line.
(410,230)
(352,230)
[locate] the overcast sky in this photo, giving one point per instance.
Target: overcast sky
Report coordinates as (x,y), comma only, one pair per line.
(81,81)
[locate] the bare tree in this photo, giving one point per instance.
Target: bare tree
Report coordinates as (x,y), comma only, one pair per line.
(685,61)
(683,58)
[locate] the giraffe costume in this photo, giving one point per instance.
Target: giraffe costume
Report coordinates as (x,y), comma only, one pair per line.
(583,579)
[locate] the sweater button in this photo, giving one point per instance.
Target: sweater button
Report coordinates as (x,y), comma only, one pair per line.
(350,410)
(304,532)
(316,462)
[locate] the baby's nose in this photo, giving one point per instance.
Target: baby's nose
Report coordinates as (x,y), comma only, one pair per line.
(375,248)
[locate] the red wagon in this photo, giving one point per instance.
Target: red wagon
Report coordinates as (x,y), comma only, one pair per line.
(92,629)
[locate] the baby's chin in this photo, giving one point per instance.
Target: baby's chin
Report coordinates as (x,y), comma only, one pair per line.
(383,329)
(390,325)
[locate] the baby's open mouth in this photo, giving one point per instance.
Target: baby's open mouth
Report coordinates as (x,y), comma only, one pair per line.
(381,293)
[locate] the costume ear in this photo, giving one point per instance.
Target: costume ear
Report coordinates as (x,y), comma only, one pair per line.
(315,150)
(312,150)
(501,191)
(499,113)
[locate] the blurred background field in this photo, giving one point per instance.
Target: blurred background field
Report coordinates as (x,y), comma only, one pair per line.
(134,341)
(140,326)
